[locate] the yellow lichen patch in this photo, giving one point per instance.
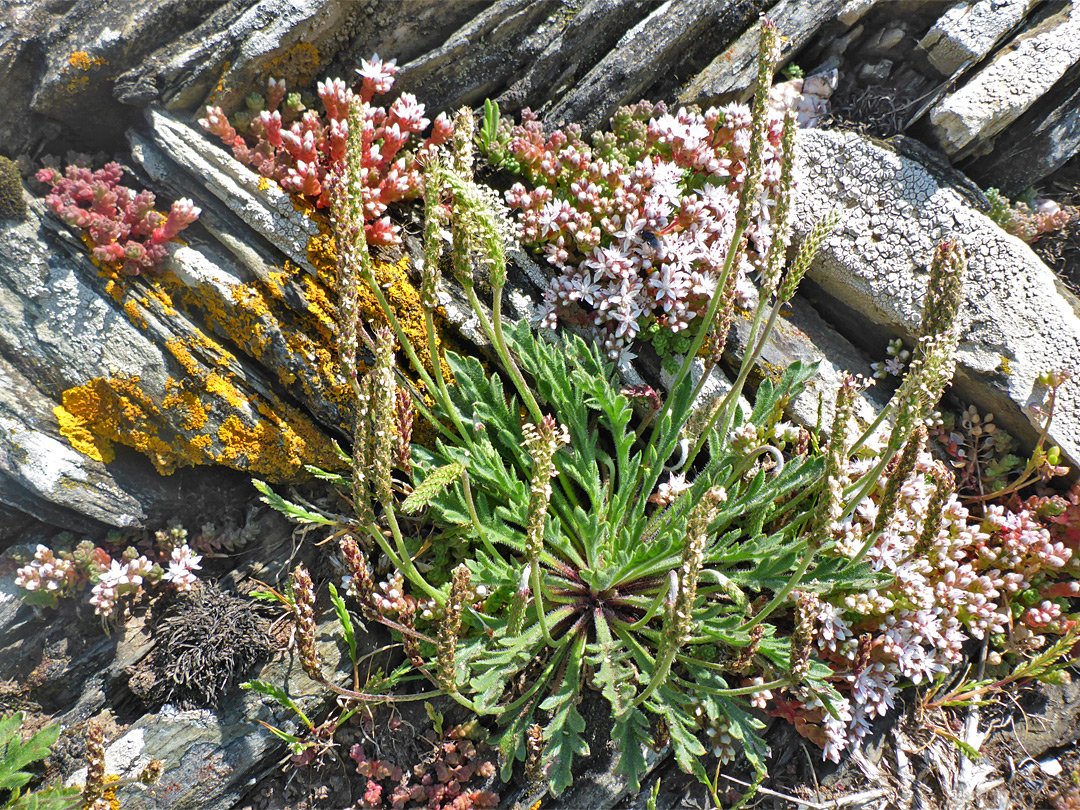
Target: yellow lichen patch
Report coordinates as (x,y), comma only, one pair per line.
(298,65)
(275,447)
(322,253)
(134,314)
(81,437)
(221,387)
(84,61)
(271,440)
(116,410)
(193,416)
(263,184)
(319,305)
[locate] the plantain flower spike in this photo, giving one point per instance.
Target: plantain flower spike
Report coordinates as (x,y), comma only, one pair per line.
(435,222)
(890,497)
(807,614)
(304,613)
(807,250)
(944,484)
(768,51)
(542,442)
(516,618)
(681,629)
(361,584)
(934,359)
(831,508)
(383,414)
(462,143)
(450,629)
(781,233)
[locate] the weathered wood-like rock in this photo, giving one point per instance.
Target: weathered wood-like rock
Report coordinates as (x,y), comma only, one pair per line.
(968,31)
(732,75)
(1018,321)
(655,47)
(1015,79)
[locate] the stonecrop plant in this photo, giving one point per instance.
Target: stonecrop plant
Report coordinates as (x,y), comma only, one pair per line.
(65,570)
(282,139)
(638,224)
(681,560)
(122,225)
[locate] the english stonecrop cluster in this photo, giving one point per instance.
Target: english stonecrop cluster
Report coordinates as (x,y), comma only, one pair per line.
(583,561)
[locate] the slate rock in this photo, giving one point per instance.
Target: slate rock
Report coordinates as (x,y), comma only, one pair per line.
(1017,76)
(968,31)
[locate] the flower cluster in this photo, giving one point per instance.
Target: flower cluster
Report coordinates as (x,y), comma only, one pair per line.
(1029,219)
(638,224)
(954,576)
(53,574)
(122,225)
(283,140)
(895,363)
(438,782)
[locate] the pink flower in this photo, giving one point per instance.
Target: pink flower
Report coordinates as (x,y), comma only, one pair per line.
(181,567)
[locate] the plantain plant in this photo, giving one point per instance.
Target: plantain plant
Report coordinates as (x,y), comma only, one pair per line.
(578,568)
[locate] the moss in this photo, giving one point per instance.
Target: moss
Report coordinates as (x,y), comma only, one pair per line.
(12,202)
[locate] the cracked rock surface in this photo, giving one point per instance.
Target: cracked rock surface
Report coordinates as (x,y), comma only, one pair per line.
(1018,320)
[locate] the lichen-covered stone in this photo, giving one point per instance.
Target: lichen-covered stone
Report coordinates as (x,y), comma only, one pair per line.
(1013,80)
(1017,321)
(968,31)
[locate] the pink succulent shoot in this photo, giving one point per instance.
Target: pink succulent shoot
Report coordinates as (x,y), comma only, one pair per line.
(378,76)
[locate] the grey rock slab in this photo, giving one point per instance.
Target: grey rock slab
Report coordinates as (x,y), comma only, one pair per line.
(801,335)
(591,34)
(1037,144)
(732,75)
(403,30)
(235,52)
(969,31)
(212,757)
(60,62)
(653,48)
(484,55)
(62,333)
(1013,81)
(1017,320)
(260,203)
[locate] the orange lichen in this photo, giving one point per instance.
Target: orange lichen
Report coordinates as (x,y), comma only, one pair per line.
(134,314)
(117,411)
(84,61)
(194,416)
(298,65)
(74,72)
(271,439)
(80,436)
